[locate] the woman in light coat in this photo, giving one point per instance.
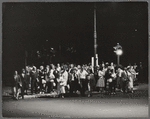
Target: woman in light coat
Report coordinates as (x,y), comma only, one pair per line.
(62,82)
(130,79)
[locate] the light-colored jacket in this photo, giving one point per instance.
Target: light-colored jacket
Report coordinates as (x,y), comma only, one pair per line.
(65,77)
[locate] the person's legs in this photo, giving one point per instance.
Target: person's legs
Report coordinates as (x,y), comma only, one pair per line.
(14,92)
(71,88)
(121,85)
(22,92)
(84,86)
(51,86)
(74,86)
(32,86)
(25,87)
(102,89)
(110,87)
(118,82)
(107,87)
(41,85)
(63,91)
(47,87)
(35,86)
(78,88)
(124,86)
(131,85)
(17,93)
(89,90)
(114,86)
(81,88)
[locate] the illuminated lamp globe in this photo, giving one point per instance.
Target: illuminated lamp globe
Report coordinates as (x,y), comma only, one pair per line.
(119,52)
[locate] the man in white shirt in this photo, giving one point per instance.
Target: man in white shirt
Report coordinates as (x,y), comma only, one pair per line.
(83,82)
(64,81)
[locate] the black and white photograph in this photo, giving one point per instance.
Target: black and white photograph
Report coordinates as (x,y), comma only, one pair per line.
(75,59)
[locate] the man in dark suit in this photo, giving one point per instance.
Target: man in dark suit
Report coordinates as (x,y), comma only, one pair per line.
(41,77)
(28,76)
(23,77)
(124,80)
(34,77)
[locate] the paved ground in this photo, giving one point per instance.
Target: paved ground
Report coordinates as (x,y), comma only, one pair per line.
(76,107)
(128,105)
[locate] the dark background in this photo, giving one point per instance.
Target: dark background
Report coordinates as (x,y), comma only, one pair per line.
(27,26)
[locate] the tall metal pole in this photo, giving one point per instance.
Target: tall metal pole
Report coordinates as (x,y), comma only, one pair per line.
(95,37)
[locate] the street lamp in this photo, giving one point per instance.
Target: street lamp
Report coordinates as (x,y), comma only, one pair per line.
(119,52)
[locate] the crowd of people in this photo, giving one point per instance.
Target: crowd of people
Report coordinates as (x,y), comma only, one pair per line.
(73,79)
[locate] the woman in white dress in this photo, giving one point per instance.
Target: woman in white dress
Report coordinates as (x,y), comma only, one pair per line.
(60,87)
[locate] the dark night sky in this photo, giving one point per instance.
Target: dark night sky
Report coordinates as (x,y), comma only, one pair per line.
(26,26)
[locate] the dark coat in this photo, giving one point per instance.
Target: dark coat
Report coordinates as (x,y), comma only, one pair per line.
(34,76)
(92,80)
(42,74)
(17,81)
(123,76)
(23,79)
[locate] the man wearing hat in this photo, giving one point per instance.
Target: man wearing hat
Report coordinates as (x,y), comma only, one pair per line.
(34,77)
(124,80)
